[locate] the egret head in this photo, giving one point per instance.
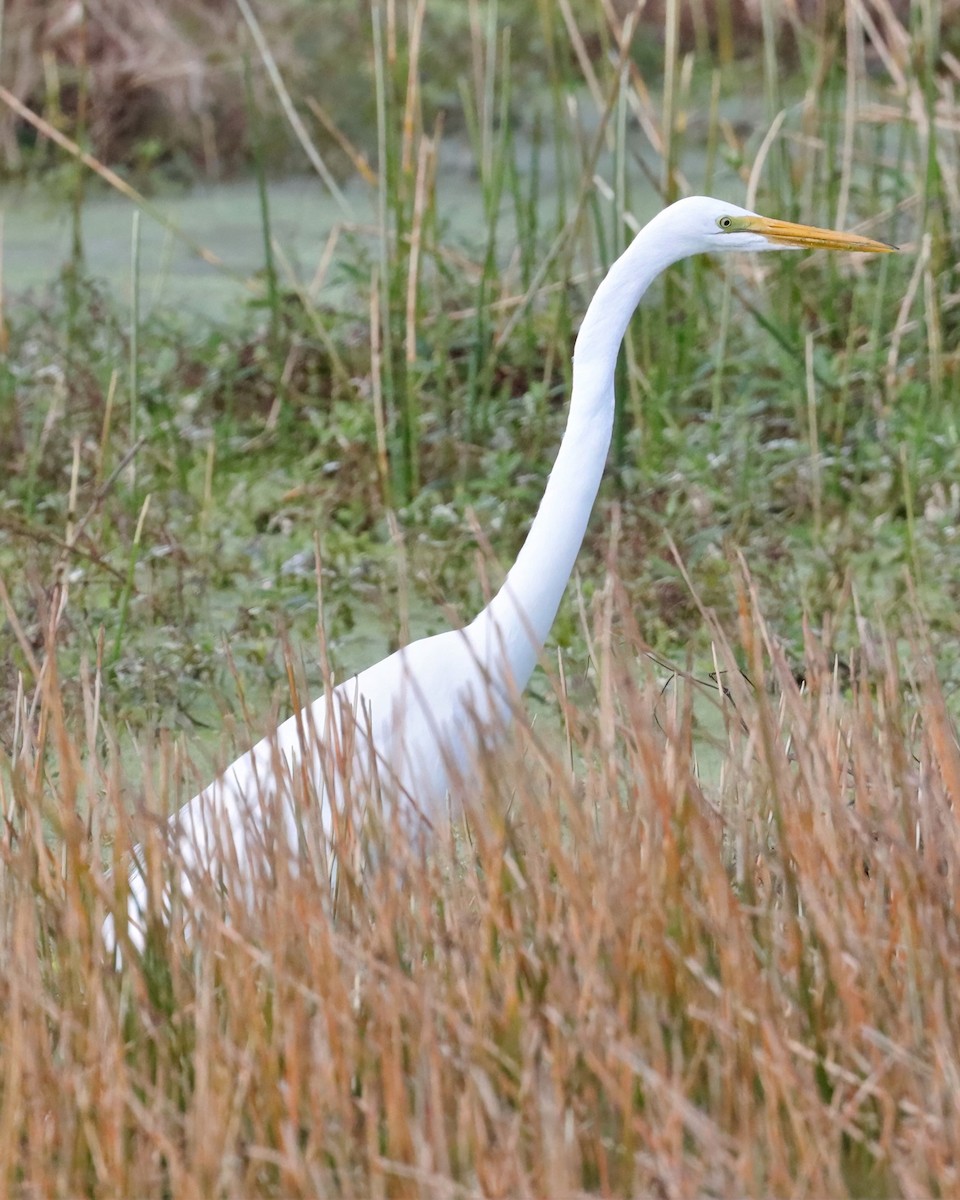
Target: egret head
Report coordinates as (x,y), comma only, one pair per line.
(705,224)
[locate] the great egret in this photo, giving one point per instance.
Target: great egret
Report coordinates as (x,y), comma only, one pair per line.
(414,720)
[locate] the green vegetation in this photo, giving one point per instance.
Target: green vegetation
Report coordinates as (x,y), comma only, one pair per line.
(627,984)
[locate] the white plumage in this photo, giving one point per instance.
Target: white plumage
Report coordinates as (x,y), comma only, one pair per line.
(414,719)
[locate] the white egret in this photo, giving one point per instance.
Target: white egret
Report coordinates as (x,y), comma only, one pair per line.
(418,715)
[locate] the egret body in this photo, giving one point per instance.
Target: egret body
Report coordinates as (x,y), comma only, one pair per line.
(412,721)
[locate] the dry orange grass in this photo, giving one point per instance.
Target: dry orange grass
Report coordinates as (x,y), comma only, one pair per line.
(618,981)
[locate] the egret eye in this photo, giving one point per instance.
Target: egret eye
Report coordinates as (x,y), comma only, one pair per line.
(725,222)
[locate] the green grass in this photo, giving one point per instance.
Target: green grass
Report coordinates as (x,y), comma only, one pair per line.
(716,459)
(628,984)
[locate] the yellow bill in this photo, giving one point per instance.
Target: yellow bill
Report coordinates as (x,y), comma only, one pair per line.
(786,233)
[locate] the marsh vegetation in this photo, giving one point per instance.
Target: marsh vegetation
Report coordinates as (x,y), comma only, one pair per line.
(698,935)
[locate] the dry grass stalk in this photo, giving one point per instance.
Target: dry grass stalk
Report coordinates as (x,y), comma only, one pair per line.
(622,980)
(122,73)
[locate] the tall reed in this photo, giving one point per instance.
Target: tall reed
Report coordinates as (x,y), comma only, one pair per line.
(618,976)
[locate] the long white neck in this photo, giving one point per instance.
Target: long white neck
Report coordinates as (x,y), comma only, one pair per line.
(516,622)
